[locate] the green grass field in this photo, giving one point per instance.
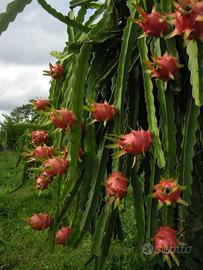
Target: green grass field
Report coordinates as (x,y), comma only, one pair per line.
(21,248)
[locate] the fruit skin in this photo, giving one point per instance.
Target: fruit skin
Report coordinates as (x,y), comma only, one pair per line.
(136,142)
(41,104)
(116,185)
(165,67)
(55,166)
(165,239)
(39,136)
(153,24)
(56,71)
(43,152)
(40,221)
(62,235)
(188,20)
(43,181)
(103,111)
(63,119)
(168,191)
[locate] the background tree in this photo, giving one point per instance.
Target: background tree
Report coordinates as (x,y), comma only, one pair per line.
(10,128)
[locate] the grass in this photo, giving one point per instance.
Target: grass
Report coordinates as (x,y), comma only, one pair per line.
(21,248)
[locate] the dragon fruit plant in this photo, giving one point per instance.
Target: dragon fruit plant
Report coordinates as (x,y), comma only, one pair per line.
(121,70)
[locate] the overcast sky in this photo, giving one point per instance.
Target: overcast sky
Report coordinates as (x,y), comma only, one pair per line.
(24,53)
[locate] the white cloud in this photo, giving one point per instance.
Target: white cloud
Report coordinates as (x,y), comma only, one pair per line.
(24,53)
(20,83)
(31,37)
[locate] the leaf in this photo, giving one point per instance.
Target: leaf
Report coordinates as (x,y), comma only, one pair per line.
(163,115)
(11,12)
(79,83)
(62,18)
(96,177)
(107,22)
(70,30)
(24,178)
(171,125)
(55,93)
(149,98)
(200,63)
(139,208)
(94,193)
(97,66)
(80,19)
(101,230)
(75,3)
(81,14)
(151,211)
(107,70)
(69,82)
(165,6)
(101,259)
(189,139)
(192,51)
(95,16)
(77,102)
(167,123)
(61,56)
(64,208)
(128,40)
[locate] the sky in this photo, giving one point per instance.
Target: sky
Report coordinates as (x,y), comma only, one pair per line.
(25,52)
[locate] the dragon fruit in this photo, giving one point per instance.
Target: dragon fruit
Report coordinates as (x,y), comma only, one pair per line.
(56,71)
(43,152)
(153,24)
(63,119)
(116,185)
(168,191)
(55,166)
(40,221)
(39,136)
(188,19)
(103,111)
(62,235)
(43,181)
(165,67)
(41,104)
(166,243)
(165,239)
(136,142)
